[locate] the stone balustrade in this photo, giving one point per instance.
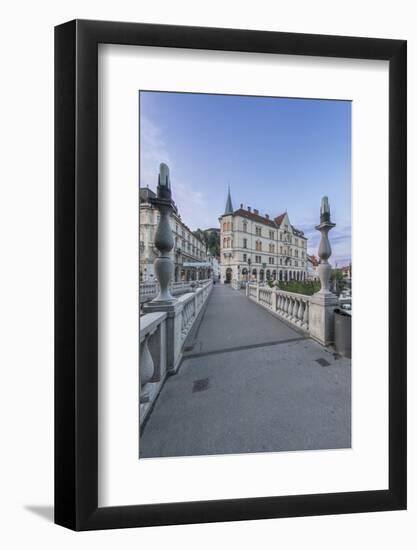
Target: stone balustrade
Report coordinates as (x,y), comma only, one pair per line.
(152,358)
(148,290)
(289,306)
(236,284)
(163,330)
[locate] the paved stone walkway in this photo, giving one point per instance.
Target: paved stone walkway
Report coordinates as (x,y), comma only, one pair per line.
(249,383)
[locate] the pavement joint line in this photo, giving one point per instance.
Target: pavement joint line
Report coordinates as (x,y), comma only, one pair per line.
(240,348)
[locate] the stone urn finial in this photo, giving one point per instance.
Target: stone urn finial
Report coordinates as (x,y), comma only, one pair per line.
(325,251)
(163,241)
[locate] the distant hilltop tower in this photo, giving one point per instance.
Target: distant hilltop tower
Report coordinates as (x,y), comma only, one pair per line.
(229,206)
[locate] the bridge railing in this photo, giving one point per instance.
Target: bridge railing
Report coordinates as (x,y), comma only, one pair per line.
(291,307)
(152,356)
(163,331)
(148,290)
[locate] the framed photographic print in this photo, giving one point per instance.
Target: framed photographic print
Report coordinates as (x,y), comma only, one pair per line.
(230,338)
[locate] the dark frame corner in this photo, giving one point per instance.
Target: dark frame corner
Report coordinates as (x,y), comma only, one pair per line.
(76,268)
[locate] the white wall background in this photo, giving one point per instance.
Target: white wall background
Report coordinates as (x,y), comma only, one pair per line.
(26,286)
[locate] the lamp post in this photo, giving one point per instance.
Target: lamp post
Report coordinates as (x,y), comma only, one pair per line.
(164,241)
(323,303)
(325,251)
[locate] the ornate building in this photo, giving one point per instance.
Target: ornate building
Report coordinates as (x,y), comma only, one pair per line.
(259,248)
(189,253)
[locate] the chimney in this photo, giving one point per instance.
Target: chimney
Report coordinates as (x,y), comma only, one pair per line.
(241,205)
(255,211)
(249,209)
(267,216)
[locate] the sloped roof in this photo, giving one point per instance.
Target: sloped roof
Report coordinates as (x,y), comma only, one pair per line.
(254,217)
(229,206)
(278,219)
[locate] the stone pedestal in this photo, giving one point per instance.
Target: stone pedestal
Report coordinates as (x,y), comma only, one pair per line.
(173,331)
(322,307)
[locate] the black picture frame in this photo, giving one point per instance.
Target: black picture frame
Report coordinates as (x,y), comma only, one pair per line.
(76,272)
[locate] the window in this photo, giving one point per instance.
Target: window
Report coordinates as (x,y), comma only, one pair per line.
(258,231)
(296,263)
(280,261)
(244,257)
(245,243)
(280,249)
(245,227)
(271,260)
(271,248)
(296,253)
(271,235)
(258,259)
(280,236)
(224,226)
(258,245)
(296,242)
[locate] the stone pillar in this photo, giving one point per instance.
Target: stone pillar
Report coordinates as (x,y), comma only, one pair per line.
(323,302)
(173,331)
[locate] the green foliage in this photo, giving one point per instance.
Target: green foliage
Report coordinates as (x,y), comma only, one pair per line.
(211,240)
(213,243)
(300,287)
(338,281)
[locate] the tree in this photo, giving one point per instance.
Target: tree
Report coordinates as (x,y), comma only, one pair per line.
(338,281)
(214,243)
(211,240)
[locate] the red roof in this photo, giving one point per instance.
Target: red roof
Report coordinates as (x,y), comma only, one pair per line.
(278,219)
(313,260)
(275,223)
(254,217)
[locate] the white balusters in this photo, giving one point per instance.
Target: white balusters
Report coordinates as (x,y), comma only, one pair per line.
(146,368)
(292,307)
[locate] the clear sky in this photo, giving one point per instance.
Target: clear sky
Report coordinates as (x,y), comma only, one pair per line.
(276,154)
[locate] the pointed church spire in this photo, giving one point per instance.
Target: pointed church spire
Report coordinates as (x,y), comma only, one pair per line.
(229,207)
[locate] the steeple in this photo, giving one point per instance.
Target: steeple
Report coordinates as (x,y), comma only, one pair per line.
(229,206)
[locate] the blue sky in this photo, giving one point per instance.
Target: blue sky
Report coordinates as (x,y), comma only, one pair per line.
(276,154)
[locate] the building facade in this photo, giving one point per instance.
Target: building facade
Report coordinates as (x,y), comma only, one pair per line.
(256,247)
(189,252)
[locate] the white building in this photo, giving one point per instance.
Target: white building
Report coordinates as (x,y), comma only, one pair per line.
(215,265)
(189,252)
(256,247)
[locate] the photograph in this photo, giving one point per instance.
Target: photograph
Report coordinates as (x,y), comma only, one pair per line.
(245,272)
